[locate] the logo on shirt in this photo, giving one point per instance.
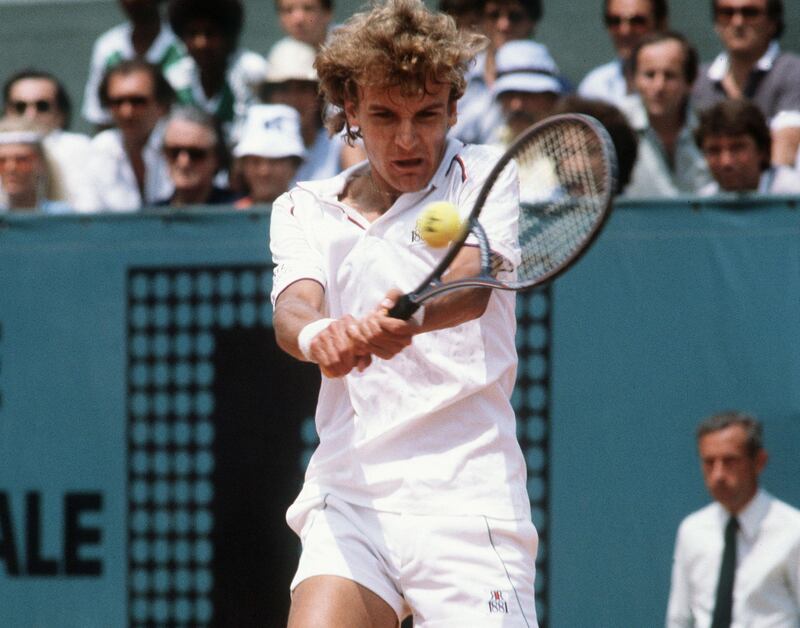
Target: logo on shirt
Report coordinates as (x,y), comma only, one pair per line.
(497,603)
(415,236)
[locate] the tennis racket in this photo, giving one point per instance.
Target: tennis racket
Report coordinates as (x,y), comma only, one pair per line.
(567,172)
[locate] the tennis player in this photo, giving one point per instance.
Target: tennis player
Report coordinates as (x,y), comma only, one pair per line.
(415,500)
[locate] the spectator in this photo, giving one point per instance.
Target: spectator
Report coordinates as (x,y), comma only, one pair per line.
(627,22)
(466,13)
(195,150)
(622,135)
(29,179)
(305,20)
(269,154)
(217,76)
(41,98)
(502,21)
(527,87)
(736,142)
(144,36)
(126,168)
(737,561)
(664,65)
(292,80)
(753,66)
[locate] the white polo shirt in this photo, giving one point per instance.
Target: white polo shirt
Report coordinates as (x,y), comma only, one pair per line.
(605,82)
(431,430)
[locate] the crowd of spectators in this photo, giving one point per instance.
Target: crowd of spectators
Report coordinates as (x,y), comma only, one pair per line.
(183,115)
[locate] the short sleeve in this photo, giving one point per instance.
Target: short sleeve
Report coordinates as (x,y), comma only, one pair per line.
(787,102)
(500,214)
(92,110)
(293,255)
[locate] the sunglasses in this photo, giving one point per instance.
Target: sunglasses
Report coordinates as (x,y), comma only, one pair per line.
(638,22)
(136,102)
(512,15)
(41,106)
(194,153)
(726,14)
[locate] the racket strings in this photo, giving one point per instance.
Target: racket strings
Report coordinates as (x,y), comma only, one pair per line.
(564,181)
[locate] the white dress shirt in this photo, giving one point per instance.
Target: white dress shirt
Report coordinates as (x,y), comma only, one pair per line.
(479,114)
(110,182)
(324,158)
(70,152)
(766,590)
(774,180)
(652,175)
(606,82)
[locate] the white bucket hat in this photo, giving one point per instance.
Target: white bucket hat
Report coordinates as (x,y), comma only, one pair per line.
(526,66)
(271,131)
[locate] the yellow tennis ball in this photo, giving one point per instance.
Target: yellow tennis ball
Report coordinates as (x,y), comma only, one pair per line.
(439,224)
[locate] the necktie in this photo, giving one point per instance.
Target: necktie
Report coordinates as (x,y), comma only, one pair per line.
(723,606)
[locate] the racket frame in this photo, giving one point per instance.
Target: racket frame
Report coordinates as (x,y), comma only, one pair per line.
(433,285)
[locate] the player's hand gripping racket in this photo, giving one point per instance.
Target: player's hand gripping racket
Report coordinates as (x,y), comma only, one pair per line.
(567,176)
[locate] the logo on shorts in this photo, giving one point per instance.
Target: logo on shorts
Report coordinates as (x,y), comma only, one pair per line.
(496,603)
(415,237)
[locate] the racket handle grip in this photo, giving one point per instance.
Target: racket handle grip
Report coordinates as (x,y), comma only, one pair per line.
(404,308)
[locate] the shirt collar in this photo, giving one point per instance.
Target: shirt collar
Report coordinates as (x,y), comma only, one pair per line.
(637,114)
(156,139)
(451,149)
(753,514)
(750,517)
(718,68)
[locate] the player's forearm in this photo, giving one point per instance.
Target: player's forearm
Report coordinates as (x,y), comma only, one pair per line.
(459,306)
(290,317)
(304,333)
(289,320)
(454,308)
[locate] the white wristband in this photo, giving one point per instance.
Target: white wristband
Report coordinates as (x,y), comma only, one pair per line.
(308,333)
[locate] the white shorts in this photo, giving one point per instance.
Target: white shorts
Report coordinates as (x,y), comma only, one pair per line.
(459,571)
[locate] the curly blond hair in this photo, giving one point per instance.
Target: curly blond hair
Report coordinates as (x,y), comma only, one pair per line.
(397,43)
